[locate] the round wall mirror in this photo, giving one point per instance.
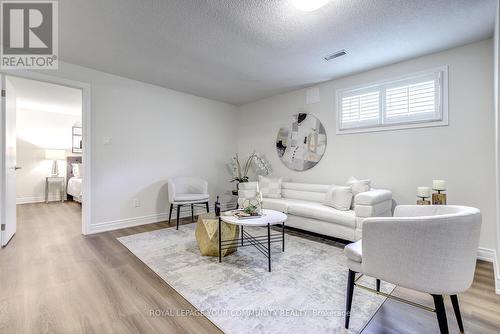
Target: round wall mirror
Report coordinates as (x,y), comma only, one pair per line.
(301,142)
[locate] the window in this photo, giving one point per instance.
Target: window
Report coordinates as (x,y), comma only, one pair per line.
(414,101)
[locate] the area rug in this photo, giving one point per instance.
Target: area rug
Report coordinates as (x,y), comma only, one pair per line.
(304,293)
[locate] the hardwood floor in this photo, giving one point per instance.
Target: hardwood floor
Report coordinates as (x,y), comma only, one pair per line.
(54,280)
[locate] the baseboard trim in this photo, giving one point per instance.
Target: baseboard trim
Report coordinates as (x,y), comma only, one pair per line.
(490,255)
(148,219)
(36,199)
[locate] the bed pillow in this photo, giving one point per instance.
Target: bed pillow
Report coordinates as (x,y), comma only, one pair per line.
(339,197)
(270,188)
(77,170)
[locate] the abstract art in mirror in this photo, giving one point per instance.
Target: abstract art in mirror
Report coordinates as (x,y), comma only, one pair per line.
(301,142)
(77,139)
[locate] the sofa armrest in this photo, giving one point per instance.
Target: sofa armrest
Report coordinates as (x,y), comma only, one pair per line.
(373,197)
(373,203)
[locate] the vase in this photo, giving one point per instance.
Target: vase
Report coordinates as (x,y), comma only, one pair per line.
(235,192)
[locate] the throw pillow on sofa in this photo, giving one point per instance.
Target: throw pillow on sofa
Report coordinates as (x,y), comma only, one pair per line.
(358,186)
(339,198)
(270,188)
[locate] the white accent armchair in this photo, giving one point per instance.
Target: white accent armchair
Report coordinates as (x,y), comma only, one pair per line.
(427,248)
(186,191)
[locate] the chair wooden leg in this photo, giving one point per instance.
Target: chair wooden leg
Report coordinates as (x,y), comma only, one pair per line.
(378,285)
(170,213)
(178,215)
(441,314)
(458,315)
(350,290)
(208,210)
(192,212)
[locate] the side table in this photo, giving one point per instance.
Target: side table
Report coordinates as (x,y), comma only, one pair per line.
(56,180)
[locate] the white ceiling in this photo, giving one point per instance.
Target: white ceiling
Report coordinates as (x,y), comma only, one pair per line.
(42,96)
(240,51)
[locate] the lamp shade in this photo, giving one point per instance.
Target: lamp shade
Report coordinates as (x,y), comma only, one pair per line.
(54,154)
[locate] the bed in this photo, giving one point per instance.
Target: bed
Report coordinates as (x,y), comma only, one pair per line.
(74,186)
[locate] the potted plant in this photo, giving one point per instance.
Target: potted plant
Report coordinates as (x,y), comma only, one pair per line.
(241,174)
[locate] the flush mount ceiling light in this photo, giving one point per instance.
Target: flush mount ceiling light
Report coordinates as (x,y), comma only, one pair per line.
(309,5)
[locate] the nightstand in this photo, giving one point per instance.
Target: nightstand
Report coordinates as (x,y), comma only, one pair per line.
(59,180)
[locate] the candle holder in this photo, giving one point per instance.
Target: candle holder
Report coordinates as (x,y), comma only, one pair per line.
(423,201)
(438,198)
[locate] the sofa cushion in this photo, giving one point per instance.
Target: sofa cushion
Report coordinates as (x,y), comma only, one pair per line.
(277,204)
(321,212)
(304,195)
(354,251)
(339,198)
(312,187)
(304,191)
(270,188)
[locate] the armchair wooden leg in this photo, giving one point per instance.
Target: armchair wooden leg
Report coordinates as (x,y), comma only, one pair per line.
(350,291)
(458,315)
(178,214)
(208,210)
(378,285)
(192,212)
(441,314)
(170,213)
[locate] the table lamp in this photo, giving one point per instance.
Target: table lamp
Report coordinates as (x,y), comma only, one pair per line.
(55,154)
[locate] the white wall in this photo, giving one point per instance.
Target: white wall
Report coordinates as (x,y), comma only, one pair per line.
(36,131)
(461,153)
(496,75)
(155,133)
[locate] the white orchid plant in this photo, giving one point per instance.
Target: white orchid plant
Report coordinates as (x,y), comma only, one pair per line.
(255,160)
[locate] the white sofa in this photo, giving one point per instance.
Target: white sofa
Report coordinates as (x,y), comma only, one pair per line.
(303,203)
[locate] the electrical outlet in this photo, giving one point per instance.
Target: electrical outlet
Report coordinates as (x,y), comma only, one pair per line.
(137,203)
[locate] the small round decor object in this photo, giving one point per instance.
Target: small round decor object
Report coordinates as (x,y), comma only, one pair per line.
(301,143)
(252,206)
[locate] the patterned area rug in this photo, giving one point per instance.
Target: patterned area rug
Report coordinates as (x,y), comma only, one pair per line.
(304,293)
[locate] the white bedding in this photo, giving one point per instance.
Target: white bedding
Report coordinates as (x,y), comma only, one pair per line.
(75,188)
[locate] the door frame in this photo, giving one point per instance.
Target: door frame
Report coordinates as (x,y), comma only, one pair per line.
(86,141)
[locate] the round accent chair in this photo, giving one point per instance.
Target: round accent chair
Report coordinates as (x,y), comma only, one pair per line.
(187,191)
(427,248)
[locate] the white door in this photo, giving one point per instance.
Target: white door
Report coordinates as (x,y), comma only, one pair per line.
(8,158)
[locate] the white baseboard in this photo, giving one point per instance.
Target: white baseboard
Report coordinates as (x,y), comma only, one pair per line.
(149,219)
(36,199)
(490,255)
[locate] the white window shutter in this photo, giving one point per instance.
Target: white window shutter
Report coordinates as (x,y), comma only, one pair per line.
(411,100)
(360,110)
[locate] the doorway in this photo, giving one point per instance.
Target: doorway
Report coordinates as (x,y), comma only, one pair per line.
(44,147)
